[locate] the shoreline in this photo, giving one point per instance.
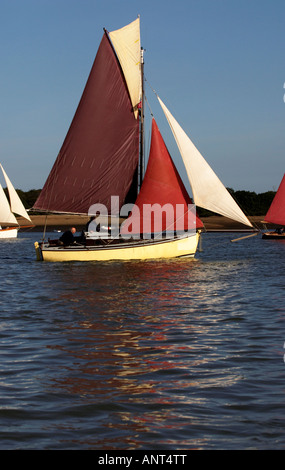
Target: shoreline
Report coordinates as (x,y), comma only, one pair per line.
(64,221)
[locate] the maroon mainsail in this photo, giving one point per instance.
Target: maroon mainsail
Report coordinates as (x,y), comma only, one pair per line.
(99,156)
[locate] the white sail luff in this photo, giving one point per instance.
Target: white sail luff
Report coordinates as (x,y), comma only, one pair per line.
(127,44)
(17,206)
(208,191)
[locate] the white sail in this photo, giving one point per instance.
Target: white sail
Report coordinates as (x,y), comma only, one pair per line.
(17,206)
(6,216)
(126,42)
(208,191)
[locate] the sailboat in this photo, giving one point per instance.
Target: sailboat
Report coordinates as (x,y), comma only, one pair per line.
(100,169)
(9,225)
(276,214)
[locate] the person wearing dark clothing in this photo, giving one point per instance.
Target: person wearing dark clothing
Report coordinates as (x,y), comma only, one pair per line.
(67,238)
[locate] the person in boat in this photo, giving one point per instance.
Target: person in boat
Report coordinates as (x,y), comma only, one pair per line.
(67,238)
(280,230)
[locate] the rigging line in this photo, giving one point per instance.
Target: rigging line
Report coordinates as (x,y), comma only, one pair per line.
(147,102)
(45,226)
(151,87)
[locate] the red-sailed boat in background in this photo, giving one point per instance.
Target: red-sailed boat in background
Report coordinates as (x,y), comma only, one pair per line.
(276,214)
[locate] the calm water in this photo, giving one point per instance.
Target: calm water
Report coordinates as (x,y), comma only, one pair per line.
(170,355)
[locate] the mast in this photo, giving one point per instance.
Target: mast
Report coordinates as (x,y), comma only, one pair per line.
(141,156)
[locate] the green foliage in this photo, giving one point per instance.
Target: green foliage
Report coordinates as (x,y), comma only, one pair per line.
(28,198)
(250,202)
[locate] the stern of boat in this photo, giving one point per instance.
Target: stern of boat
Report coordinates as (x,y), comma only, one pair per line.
(38,251)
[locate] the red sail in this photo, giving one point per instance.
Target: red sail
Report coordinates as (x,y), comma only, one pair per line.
(276,212)
(161,185)
(99,155)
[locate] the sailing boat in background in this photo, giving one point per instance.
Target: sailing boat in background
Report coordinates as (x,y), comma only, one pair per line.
(9,225)
(276,214)
(102,157)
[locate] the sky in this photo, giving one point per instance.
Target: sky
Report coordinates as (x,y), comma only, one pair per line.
(218,65)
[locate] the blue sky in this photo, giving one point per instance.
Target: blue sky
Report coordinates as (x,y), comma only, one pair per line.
(217,64)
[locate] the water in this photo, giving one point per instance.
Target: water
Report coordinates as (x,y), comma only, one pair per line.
(179,354)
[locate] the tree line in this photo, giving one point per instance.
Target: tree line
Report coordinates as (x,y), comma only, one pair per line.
(250,202)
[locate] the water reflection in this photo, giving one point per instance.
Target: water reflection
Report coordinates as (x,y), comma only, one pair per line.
(144,355)
(135,337)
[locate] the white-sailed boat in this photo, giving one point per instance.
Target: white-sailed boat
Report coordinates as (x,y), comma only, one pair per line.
(9,225)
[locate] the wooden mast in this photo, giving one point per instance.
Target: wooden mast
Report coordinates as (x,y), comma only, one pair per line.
(141,157)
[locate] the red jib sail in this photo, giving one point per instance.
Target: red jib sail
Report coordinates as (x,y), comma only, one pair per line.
(162,185)
(276,212)
(99,155)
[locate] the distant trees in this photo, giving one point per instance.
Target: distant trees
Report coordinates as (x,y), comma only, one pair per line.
(28,198)
(250,202)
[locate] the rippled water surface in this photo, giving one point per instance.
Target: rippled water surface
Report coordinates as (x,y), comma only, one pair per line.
(180,354)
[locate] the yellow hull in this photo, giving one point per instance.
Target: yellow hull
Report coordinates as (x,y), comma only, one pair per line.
(149,249)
